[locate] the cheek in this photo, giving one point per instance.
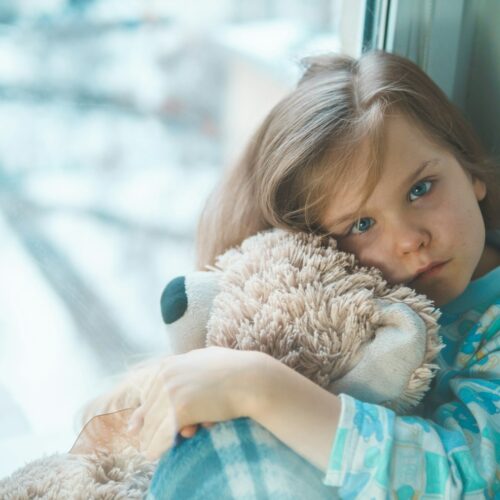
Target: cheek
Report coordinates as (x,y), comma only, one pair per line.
(457,222)
(368,253)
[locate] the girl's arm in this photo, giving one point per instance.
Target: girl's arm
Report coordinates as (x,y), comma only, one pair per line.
(296,410)
(454,452)
(369,451)
(366,450)
(216,384)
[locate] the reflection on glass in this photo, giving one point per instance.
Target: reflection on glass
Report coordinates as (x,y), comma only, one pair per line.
(117,117)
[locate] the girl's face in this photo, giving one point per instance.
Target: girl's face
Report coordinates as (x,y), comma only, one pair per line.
(421,225)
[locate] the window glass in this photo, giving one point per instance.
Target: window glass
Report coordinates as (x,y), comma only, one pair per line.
(117,117)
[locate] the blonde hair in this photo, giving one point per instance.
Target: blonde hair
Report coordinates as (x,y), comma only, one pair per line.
(303,151)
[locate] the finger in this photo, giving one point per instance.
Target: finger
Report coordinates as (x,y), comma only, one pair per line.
(188,431)
(136,420)
(162,440)
(150,393)
(161,413)
(207,425)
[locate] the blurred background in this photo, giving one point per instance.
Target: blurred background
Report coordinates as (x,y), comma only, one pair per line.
(117,118)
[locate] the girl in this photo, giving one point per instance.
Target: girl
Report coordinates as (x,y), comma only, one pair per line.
(371,152)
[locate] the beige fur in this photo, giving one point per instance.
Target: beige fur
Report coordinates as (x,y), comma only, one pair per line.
(299,299)
(64,476)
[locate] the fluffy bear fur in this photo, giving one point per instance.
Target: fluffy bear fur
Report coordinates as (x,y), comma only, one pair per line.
(298,298)
(100,476)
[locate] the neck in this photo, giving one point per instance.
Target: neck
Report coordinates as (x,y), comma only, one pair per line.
(489,260)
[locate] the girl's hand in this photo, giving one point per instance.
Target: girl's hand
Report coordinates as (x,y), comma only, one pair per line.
(202,386)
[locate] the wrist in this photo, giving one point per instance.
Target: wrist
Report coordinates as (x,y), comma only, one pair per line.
(262,379)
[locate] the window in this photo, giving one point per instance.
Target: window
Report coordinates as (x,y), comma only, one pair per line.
(117,117)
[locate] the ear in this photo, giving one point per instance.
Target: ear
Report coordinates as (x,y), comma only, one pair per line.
(479,189)
(186,303)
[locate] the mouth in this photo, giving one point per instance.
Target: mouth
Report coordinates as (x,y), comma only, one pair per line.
(428,271)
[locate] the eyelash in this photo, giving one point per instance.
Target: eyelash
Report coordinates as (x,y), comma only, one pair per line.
(430,182)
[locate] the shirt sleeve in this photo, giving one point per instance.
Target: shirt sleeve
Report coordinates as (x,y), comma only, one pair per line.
(454,454)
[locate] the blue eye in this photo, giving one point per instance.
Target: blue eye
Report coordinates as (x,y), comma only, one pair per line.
(361,226)
(419,189)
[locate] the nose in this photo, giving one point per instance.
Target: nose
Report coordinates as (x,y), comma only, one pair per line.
(408,236)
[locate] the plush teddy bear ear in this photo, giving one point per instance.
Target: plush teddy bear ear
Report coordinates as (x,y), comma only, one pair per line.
(186,303)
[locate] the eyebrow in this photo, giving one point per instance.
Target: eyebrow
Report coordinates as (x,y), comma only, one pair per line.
(410,179)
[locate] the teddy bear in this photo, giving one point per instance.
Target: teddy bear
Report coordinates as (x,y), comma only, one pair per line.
(296,297)
(292,295)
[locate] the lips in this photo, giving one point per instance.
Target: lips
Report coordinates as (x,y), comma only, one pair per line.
(429,270)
